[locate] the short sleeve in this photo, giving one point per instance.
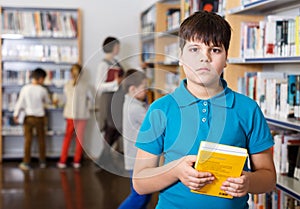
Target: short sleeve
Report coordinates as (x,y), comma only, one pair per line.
(260,137)
(151,135)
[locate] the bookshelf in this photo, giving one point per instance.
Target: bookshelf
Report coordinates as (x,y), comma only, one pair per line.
(287,184)
(159,44)
(49,38)
(279,60)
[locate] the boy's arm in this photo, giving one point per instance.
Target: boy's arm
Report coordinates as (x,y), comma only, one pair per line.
(262,178)
(149,177)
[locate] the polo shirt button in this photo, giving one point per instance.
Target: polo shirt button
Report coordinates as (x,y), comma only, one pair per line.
(205,103)
(203,120)
(204,110)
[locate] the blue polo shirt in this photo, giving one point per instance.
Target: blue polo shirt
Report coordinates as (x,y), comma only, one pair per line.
(176,124)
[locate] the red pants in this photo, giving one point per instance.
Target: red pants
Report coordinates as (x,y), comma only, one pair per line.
(77,126)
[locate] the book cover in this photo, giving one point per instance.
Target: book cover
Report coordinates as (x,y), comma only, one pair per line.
(297,167)
(111,74)
(292,152)
(209,5)
(222,161)
(21,117)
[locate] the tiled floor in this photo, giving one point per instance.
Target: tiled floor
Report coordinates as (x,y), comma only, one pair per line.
(51,188)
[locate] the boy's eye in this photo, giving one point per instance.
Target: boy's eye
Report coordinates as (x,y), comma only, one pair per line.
(194,49)
(216,50)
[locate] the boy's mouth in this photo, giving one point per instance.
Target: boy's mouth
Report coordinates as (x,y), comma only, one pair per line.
(202,69)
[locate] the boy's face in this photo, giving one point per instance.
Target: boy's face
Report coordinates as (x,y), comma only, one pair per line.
(140,91)
(116,49)
(203,64)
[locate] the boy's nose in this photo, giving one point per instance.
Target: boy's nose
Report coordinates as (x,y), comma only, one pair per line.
(204,57)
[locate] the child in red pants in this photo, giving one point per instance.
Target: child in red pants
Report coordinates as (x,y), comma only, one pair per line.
(76,112)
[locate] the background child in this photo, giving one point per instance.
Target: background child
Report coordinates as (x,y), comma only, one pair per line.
(203,107)
(32,100)
(76,112)
(110,69)
(134,110)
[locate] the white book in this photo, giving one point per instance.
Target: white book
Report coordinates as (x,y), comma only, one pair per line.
(21,117)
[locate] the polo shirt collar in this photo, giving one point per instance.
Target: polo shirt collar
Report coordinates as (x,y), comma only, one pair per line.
(184,98)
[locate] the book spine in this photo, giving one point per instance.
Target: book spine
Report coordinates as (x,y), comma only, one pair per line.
(297,35)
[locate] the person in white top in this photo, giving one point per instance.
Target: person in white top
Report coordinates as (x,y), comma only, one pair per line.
(109,76)
(32,100)
(76,112)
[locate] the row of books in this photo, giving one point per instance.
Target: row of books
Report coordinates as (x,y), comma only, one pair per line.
(171,81)
(191,6)
(17,130)
(171,53)
(146,29)
(173,19)
(40,52)
(148,50)
(277,93)
(57,77)
(40,23)
(149,18)
(286,154)
(276,36)
(273,200)
(9,100)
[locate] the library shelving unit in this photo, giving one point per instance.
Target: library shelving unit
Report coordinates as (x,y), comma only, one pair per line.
(159,43)
(255,11)
(49,38)
(286,184)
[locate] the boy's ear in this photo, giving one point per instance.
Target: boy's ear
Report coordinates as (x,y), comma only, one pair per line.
(131,88)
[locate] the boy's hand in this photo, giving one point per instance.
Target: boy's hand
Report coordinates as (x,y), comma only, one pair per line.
(237,187)
(117,77)
(189,176)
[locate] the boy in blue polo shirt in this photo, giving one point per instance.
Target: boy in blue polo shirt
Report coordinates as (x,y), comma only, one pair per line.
(202,108)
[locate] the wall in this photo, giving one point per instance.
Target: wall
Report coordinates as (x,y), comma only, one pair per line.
(100,18)
(145,4)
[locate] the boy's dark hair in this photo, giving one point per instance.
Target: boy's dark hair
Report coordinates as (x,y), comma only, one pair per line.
(207,27)
(109,43)
(133,77)
(38,73)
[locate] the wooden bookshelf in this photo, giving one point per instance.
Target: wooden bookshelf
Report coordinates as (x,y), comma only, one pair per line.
(53,45)
(160,37)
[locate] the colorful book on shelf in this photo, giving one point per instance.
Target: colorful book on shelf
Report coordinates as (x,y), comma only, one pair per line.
(292,153)
(209,5)
(297,168)
(223,161)
(284,152)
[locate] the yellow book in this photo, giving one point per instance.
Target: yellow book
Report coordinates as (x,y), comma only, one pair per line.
(222,161)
